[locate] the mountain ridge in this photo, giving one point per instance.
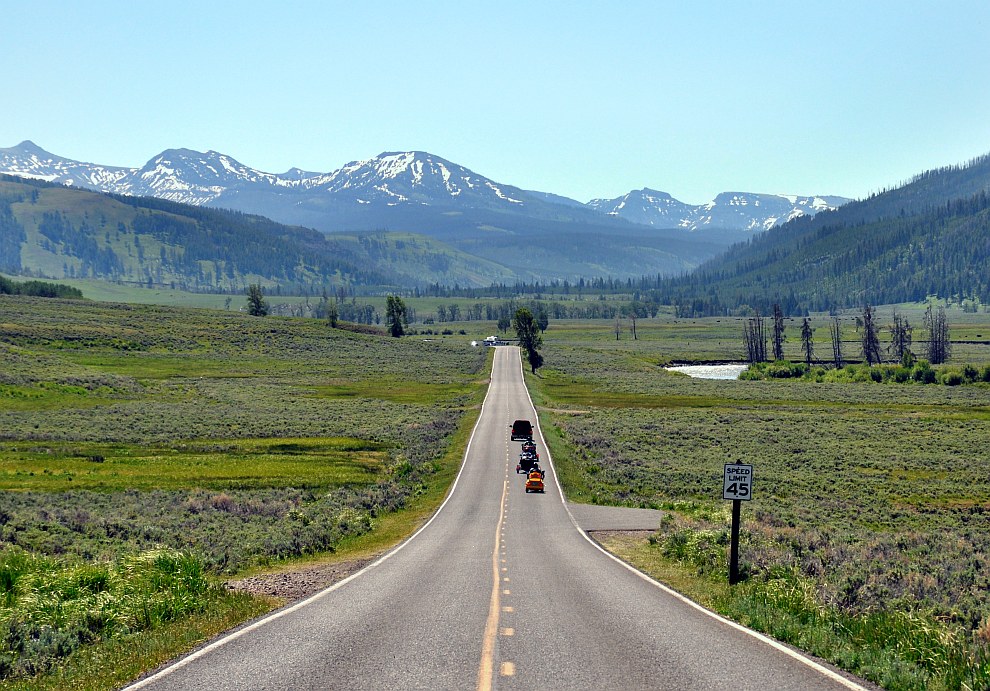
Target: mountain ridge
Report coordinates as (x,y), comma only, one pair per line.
(345,198)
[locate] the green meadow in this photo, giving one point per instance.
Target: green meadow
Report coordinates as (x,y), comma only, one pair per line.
(147,451)
(151,444)
(867,541)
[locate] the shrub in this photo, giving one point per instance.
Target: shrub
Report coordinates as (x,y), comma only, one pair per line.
(923,372)
(952,378)
(970,373)
(902,374)
(54,605)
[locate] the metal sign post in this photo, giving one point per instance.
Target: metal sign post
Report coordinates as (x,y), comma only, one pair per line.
(737,485)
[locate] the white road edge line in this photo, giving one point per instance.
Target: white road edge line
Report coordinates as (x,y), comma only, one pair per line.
(195,655)
(848,683)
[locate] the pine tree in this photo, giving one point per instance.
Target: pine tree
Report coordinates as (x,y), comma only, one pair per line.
(257,305)
(395,315)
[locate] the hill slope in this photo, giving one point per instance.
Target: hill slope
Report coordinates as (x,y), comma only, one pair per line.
(65,232)
(929,237)
(59,232)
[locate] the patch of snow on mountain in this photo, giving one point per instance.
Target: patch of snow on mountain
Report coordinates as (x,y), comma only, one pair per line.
(386,190)
(445,174)
(500,194)
(393,165)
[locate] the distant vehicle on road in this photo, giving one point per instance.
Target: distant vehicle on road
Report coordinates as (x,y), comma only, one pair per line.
(534,483)
(527,461)
(529,446)
(522,429)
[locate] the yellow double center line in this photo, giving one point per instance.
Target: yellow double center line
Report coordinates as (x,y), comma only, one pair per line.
(486,669)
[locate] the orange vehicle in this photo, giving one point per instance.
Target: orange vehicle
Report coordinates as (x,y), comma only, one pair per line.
(534,482)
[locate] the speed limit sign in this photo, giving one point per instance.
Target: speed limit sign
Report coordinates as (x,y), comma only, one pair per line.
(738,482)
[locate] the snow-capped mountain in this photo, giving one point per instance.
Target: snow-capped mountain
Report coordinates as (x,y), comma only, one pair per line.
(399,190)
(193,177)
(414,177)
(732,210)
(31,161)
(648,207)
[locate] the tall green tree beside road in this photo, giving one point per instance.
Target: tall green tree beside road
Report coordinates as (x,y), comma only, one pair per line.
(257,304)
(395,315)
(528,331)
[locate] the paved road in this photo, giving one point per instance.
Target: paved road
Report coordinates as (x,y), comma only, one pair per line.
(500,590)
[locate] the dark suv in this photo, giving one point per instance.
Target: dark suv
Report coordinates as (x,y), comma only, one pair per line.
(522,429)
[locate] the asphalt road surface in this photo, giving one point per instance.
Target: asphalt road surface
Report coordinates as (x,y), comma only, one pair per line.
(499,590)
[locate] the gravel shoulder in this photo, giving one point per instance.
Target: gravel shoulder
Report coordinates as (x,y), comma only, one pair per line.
(299,582)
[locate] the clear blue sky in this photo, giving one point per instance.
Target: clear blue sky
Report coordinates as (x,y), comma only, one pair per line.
(584,99)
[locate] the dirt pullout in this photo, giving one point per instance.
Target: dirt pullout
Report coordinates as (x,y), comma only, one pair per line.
(592,517)
(300,582)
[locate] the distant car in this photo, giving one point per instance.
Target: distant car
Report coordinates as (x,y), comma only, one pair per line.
(534,483)
(522,429)
(529,446)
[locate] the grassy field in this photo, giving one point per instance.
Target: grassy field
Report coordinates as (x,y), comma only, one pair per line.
(204,443)
(868,539)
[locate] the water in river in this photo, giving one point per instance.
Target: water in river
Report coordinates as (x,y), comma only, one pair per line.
(731,371)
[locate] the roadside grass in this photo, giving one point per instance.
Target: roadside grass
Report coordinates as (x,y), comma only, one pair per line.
(244,443)
(111,663)
(870,502)
(897,650)
(53,608)
(391,528)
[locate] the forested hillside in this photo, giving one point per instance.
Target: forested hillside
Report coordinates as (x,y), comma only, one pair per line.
(53,231)
(929,237)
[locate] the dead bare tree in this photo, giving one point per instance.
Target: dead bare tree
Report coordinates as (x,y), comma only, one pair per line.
(836,331)
(778,333)
(807,345)
(939,347)
(870,339)
(900,337)
(755,338)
